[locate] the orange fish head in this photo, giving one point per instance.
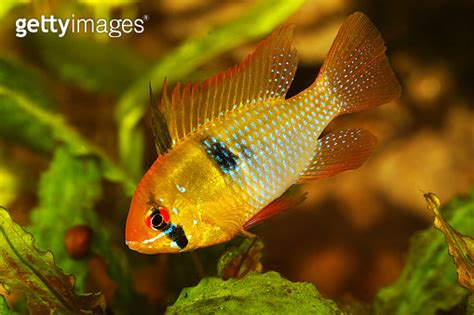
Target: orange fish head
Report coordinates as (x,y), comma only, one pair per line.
(162,219)
(180,206)
(153,233)
(154,225)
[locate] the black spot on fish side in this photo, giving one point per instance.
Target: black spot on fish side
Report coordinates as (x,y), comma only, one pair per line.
(225,159)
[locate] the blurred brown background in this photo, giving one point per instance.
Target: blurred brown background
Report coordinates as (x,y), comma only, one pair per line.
(351,235)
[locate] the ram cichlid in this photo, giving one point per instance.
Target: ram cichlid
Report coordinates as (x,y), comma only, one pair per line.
(230,147)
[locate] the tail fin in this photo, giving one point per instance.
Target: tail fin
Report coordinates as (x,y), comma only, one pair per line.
(356,67)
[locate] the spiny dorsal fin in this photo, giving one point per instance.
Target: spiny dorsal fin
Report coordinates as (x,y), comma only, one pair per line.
(265,74)
(161,133)
(339,151)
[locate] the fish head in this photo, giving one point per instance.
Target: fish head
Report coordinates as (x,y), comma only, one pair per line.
(164,217)
(154,224)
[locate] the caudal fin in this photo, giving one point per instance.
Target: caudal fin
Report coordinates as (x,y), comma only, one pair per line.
(356,68)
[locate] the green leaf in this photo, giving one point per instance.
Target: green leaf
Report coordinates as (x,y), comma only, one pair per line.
(241,260)
(266,293)
(4,309)
(21,126)
(428,282)
(68,191)
(9,180)
(26,269)
(256,22)
(91,64)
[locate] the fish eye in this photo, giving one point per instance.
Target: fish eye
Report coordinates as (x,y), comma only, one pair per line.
(157,218)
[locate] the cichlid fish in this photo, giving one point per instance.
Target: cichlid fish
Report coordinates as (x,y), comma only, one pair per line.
(229,147)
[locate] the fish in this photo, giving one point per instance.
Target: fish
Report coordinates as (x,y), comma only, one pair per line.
(229,147)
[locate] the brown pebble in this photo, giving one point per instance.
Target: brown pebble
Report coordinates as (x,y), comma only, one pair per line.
(78,241)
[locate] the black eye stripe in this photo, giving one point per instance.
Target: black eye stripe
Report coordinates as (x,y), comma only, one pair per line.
(174,232)
(177,235)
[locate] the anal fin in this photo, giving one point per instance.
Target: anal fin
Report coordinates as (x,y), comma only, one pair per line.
(339,151)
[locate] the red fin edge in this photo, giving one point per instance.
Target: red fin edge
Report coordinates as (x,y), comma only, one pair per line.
(276,207)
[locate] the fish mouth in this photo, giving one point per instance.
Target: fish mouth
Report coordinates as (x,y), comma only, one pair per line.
(150,249)
(141,248)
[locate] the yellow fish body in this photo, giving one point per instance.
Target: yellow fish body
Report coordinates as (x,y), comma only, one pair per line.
(229,147)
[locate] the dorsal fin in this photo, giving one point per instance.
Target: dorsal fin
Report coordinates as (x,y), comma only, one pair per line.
(339,151)
(161,133)
(265,74)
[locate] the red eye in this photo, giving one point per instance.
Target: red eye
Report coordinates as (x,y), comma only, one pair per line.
(157,218)
(165,214)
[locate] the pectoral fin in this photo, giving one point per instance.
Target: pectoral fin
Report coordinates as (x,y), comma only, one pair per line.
(275,207)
